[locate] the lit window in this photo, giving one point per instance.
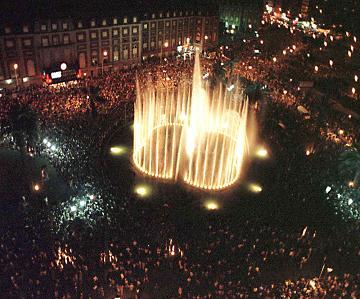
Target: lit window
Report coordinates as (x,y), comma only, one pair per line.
(174,14)
(125,53)
(167,14)
(80,36)
(125,31)
(145,45)
(66,39)
(80,25)
(104,22)
(55,40)
(54,26)
(93,35)
(125,20)
(115,21)
(180,13)
(65,26)
(43,27)
(145,26)
(116,54)
(153,16)
(115,32)
(167,24)
(134,30)
(153,25)
(104,34)
(134,51)
(93,24)
(152,44)
(25,29)
(45,41)
(134,19)
(161,15)
(27,42)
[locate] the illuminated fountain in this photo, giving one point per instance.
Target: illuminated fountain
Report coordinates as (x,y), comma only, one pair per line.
(191,133)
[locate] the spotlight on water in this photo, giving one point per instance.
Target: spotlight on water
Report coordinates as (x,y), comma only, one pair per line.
(193,133)
(256,188)
(262,152)
(117,150)
(211,205)
(142,190)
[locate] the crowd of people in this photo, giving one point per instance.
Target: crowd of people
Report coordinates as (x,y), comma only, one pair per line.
(123,247)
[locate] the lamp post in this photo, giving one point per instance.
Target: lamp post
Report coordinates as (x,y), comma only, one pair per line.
(105,53)
(16,66)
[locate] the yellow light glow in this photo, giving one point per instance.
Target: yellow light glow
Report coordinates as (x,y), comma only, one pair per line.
(351,184)
(211,205)
(36,187)
(142,190)
(117,150)
(255,188)
(262,152)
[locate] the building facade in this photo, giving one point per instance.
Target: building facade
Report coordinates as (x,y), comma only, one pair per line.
(98,44)
(240,16)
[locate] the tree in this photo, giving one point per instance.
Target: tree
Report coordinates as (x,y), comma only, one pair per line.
(22,125)
(350,165)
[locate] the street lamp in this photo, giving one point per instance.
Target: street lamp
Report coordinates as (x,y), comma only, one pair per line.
(16,66)
(105,53)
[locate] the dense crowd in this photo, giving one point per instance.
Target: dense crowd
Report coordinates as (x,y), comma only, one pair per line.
(128,248)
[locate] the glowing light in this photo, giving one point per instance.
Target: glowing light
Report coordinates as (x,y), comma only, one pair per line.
(142,190)
(262,152)
(63,66)
(274,59)
(353,90)
(350,201)
(351,184)
(92,197)
(255,188)
(82,203)
(36,187)
(328,189)
(331,62)
(316,68)
(73,208)
(191,134)
(211,205)
(117,150)
(16,66)
(356,78)
(349,53)
(231,87)
(307,152)
(53,147)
